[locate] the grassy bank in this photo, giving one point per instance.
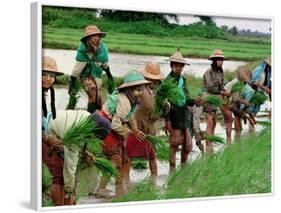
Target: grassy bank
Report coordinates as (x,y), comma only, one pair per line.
(242,168)
(234,49)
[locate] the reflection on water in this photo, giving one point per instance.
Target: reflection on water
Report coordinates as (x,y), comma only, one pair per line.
(121,63)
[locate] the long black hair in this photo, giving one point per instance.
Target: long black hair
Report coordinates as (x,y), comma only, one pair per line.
(89,46)
(44,106)
(215,65)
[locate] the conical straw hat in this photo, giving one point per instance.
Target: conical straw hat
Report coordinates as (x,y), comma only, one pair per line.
(152,71)
(92,30)
(244,75)
(49,65)
(216,54)
(177,57)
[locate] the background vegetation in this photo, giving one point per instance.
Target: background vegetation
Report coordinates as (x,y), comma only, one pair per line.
(149,33)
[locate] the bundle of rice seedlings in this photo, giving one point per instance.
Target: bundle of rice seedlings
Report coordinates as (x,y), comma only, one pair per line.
(95,146)
(105,167)
(212,138)
(215,139)
(161,148)
(213,100)
(46,178)
(238,87)
(79,133)
(258,98)
(169,91)
(139,164)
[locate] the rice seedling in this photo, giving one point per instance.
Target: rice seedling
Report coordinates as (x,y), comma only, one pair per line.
(264,123)
(79,133)
(89,158)
(167,91)
(258,98)
(95,146)
(212,138)
(173,176)
(160,147)
(139,163)
(213,100)
(46,178)
(105,167)
(242,168)
(238,87)
(215,139)
(145,190)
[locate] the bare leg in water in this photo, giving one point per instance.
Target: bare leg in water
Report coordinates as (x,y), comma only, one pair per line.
(237,126)
(117,162)
(210,130)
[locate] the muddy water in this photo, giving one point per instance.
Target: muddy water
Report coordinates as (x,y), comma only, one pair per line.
(137,175)
(121,63)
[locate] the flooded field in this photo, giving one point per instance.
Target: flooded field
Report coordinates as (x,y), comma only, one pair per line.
(121,63)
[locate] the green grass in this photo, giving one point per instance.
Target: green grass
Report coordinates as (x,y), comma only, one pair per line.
(242,168)
(237,49)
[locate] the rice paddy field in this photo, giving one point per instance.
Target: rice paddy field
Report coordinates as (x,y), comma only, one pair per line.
(194,47)
(242,168)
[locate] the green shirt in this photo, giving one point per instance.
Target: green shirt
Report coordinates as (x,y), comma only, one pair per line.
(179,115)
(94,64)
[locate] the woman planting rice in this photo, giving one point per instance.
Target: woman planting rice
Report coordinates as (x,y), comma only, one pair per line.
(125,139)
(91,61)
(146,122)
(237,87)
(262,79)
(178,119)
(74,128)
(51,144)
(213,83)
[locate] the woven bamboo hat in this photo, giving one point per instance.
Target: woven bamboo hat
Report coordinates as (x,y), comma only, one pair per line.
(152,71)
(216,54)
(177,57)
(268,60)
(49,65)
(244,74)
(133,78)
(92,30)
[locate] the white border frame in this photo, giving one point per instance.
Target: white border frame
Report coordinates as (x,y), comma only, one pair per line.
(36,132)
